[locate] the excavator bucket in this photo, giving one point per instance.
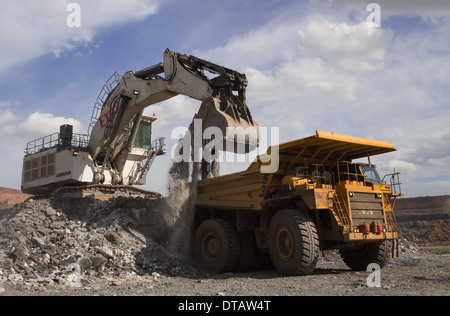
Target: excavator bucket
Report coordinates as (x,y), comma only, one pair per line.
(233,119)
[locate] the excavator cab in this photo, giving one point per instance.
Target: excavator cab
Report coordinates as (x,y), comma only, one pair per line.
(143,137)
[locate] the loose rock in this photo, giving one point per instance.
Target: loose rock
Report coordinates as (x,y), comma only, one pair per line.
(41,239)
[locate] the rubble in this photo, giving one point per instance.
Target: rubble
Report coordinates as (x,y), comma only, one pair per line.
(73,241)
(407,247)
(48,242)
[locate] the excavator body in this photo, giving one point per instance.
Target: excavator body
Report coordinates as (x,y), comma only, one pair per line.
(118,150)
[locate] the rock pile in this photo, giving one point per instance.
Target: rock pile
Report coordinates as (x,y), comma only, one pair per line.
(71,241)
(426,232)
(407,247)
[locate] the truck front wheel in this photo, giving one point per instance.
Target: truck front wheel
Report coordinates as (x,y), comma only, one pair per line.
(217,246)
(359,257)
(293,243)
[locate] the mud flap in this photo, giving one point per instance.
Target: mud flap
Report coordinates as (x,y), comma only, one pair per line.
(233,119)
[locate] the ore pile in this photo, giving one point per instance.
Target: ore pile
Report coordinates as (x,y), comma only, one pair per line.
(41,241)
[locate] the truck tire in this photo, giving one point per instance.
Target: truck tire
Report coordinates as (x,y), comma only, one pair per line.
(358,258)
(293,243)
(247,259)
(217,246)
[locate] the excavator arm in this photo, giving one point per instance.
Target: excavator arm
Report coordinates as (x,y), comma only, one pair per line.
(221,90)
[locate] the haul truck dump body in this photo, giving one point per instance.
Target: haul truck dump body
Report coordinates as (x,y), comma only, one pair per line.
(319,199)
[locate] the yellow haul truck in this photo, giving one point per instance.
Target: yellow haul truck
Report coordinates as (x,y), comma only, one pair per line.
(319,199)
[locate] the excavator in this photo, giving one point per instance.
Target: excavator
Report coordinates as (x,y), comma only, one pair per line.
(118,150)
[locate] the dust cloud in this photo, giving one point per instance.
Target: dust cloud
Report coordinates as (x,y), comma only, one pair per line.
(182,189)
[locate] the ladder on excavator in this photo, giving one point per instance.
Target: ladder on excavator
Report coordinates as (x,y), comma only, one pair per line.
(109,86)
(141,168)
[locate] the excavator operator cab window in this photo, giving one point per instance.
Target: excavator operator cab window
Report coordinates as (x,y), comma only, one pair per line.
(144,136)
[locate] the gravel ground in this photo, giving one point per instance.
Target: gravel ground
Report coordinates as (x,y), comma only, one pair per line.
(421,274)
(121,247)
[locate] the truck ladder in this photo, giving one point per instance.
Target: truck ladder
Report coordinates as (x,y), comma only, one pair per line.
(391,220)
(391,225)
(342,214)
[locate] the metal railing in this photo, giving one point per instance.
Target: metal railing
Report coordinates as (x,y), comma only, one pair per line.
(350,171)
(109,86)
(316,173)
(80,141)
(394,182)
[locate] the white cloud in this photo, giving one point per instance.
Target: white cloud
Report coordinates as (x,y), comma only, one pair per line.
(34,28)
(352,48)
(314,77)
(439,162)
(295,61)
(260,48)
(41,124)
(300,80)
(404,166)
(6,114)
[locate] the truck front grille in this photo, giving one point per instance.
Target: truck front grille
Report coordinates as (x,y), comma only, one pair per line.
(366,207)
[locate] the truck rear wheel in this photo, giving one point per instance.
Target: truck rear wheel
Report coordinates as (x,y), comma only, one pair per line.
(217,246)
(358,258)
(293,243)
(247,259)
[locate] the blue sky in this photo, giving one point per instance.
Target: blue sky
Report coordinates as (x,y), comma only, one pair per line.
(312,65)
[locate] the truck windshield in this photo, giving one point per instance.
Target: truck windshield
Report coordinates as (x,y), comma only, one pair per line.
(371,173)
